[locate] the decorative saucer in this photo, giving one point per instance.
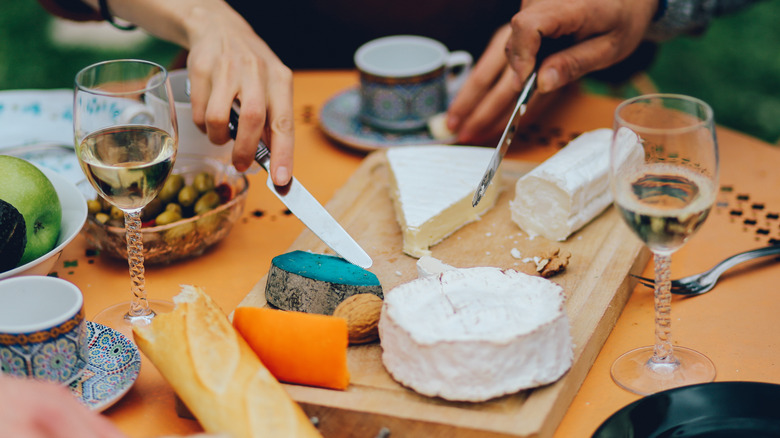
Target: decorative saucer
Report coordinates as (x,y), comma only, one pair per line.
(339,120)
(113,366)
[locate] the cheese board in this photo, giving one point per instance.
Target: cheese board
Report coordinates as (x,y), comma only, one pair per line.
(596,284)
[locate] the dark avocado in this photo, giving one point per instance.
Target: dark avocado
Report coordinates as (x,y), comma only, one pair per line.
(13,236)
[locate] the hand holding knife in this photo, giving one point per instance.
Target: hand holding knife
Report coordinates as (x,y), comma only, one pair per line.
(306,207)
(548,46)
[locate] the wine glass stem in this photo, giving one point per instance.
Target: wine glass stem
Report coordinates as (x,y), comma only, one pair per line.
(139,305)
(662,351)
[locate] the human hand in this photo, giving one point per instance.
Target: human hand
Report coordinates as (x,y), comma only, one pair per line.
(227,61)
(33,409)
(481,109)
(606,31)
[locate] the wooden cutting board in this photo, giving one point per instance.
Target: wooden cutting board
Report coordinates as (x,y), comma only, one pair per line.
(596,283)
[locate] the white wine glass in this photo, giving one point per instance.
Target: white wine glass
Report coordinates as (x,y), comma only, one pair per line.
(126,149)
(664,179)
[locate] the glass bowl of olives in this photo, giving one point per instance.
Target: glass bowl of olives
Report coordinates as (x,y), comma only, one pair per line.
(195,209)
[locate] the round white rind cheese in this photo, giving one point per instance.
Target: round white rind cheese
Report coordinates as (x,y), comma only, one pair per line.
(475,334)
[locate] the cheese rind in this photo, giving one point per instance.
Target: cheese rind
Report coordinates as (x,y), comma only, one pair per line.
(432,187)
(316,283)
(567,191)
(475,334)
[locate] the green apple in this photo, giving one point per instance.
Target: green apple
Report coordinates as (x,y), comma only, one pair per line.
(29,190)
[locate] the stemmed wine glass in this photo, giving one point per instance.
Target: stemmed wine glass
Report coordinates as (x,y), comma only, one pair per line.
(126,158)
(664,179)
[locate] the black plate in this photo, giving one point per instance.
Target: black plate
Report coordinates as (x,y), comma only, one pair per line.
(711,410)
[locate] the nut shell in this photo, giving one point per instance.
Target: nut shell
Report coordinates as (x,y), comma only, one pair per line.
(362,313)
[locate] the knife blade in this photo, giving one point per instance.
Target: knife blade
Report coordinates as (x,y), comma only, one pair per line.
(547,47)
(306,207)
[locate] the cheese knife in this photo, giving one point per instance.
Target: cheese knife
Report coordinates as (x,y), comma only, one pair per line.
(547,47)
(306,207)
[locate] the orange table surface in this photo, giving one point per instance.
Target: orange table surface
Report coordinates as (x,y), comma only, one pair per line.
(735,325)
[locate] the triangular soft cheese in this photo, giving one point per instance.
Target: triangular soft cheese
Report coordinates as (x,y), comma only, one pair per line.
(432,187)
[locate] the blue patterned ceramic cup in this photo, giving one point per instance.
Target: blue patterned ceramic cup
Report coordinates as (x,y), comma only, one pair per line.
(43,334)
(406,79)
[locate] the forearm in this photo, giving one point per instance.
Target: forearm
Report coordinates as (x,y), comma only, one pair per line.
(689,16)
(177,21)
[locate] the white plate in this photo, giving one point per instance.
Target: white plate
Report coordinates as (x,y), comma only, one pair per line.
(339,120)
(113,366)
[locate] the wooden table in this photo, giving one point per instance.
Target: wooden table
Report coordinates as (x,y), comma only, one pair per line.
(735,325)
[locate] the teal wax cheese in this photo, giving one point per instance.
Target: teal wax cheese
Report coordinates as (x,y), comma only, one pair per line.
(316,283)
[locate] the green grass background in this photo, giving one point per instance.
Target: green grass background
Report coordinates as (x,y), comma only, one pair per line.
(734,65)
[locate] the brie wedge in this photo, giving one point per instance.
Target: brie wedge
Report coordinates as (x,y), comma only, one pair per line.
(432,188)
(566,191)
(476,333)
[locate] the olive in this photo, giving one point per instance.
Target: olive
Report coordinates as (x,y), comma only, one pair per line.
(116,213)
(171,188)
(203,182)
(167,217)
(187,196)
(152,209)
(207,202)
(174,207)
(101,217)
(94,207)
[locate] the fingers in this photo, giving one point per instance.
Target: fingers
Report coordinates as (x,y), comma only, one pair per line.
(489,118)
(282,132)
(483,77)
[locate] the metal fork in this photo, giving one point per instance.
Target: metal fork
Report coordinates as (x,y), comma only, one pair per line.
(704,282)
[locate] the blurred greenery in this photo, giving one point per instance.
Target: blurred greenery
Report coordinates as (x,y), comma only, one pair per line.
(734,65)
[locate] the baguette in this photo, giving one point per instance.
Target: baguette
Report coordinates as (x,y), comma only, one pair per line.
(215,373)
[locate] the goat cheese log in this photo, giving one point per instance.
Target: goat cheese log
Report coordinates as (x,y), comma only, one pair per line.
(562,194)
(473,334)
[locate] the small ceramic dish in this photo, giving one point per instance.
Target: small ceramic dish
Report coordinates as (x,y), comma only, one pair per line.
(112,368)
(339,120)
(74,215)
(185,238)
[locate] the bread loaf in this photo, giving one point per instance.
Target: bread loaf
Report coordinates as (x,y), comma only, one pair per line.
(216,374)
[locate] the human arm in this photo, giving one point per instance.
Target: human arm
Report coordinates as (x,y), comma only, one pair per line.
(606,31)
(33,409)
(227,61)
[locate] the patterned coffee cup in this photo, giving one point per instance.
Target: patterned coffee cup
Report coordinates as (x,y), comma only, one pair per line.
(406,79)
(43,333)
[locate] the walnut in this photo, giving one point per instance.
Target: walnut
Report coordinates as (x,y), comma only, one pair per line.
(552,263)
(362,313)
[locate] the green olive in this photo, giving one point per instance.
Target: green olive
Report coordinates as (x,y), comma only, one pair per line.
(171,188)
(94,207)
(152,209)
(206,202)
(203,182)
(167,217)
(174,207)
(101,217)
(116,213)
(187,196)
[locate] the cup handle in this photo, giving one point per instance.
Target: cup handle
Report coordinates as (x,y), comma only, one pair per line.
(462,60)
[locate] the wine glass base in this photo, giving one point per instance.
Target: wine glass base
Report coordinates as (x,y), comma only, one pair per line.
(635,372)
(117,317)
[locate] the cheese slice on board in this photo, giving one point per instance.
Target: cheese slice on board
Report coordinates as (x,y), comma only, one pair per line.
(432,188)
(568,190)
(476,333)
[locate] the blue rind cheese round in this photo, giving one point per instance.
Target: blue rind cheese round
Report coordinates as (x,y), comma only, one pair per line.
(316,283)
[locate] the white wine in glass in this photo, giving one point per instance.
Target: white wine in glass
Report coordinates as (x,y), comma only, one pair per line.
(126,159)
(664,178)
